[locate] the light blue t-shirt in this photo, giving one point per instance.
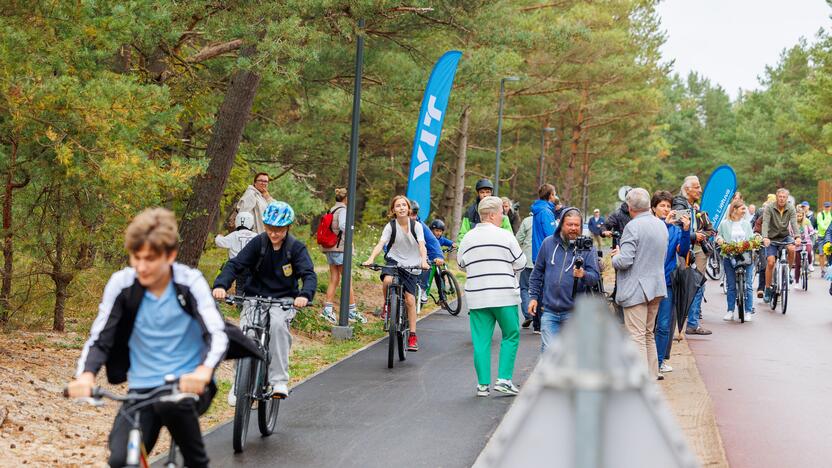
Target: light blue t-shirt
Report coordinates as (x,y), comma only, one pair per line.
(165,340)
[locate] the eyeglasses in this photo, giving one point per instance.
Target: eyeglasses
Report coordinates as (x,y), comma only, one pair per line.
(265,181)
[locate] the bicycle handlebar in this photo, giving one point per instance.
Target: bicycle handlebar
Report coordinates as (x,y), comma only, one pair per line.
(168,392)
(780,243)
(283,301)
(377,267)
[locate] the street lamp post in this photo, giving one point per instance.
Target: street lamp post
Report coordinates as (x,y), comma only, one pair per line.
(540,174)
(500,131)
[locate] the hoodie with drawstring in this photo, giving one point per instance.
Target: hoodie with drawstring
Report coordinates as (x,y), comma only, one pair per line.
(551,280)
(543,223)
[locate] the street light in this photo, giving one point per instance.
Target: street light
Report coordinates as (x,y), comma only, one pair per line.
(540,175)
(500,131)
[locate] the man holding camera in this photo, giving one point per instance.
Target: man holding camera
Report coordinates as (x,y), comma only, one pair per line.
(566,264)
(640,280)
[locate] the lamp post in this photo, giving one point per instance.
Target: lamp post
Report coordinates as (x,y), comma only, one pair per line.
(342,330)
(540,174)
(500,131)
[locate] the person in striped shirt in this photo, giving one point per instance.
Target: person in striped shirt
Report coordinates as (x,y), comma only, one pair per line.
(492,257)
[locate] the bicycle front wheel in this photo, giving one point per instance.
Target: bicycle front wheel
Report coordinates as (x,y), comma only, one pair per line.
(784,290)
(392,324)
(741,296)
(453,295)
(804,274)
(267,415)
(242,411)
(404,330)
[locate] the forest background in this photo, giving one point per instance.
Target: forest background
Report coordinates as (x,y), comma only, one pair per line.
(108,107)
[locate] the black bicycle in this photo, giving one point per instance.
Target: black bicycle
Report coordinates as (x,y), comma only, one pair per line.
(713,266)
(448,293)
(780,277)
(803,268)
(742,264)
(251,383)
(396,323)
(133,403)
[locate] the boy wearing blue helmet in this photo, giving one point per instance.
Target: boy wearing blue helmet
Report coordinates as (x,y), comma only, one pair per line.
(276,261)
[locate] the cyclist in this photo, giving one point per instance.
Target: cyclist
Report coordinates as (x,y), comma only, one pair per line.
(405,244)
(824,219)
(736,228)
(432,246)
(778,217)
(806,234)
(437,227)
(484,188)
(236,240)
(157,318)
(276,261)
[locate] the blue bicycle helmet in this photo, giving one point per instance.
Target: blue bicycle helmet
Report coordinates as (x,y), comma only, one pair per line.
(278,214)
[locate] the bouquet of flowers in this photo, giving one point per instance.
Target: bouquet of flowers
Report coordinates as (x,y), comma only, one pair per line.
(740,247)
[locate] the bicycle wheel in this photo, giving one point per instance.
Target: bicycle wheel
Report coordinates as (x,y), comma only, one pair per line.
(774,289)
(712,267)
(784,290)
(392,324)
(741,296)
(804,273)
(266,409)
(403,330)
(453,299)
(242,412)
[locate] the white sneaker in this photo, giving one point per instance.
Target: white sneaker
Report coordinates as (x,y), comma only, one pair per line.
(729,317)
(482,390)
(506,386)
(811,268)
(749,316)
(232,398)
(665,368)
(280,389)
(424,297)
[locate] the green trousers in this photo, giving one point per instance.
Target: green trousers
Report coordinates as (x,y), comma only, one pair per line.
(482,329)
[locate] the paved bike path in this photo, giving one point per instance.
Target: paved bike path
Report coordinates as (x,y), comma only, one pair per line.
(771,380)
(359,413)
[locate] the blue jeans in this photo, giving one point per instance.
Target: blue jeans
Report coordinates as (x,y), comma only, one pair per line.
(550,325)
(695,308)
(663,331)
(731,284)
(524,292)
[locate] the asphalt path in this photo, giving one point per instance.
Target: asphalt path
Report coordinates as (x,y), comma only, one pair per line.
(771,380)
(359,413)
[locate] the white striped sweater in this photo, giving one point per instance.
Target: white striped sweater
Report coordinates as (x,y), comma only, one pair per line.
(491,257)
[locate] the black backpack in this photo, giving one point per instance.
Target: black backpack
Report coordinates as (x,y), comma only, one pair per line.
(393,234)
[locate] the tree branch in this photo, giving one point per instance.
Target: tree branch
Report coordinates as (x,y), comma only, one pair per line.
(214,50)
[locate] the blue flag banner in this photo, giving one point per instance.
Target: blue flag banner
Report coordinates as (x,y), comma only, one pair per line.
(718,193)
(429,129)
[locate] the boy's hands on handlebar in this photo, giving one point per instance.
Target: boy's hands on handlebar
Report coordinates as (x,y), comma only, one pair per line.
(82,386)
(301,301)
(219,294)
(196,381)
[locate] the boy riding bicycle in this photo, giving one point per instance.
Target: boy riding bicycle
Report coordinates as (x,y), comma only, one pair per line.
(157,318)
(276,261)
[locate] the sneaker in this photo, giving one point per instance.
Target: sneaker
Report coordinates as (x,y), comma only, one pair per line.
(424,297)
(812,268)
(329,315)
(749,316)
(697,331)
(280,391)
(526,323)
(482,390)
(413,343)
(728,317)
(665,368)
(537,332)
(759,294)
(767,295)
(660,376)
(505,386)
(232,398)
(355,316)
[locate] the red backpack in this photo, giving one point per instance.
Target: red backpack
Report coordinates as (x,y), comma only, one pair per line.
(326,236)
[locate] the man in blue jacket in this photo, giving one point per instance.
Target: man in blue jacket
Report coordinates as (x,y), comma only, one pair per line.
(543,226)
(555,272)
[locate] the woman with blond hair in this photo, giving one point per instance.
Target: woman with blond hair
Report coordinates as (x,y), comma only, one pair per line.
(736,228)
(404,242)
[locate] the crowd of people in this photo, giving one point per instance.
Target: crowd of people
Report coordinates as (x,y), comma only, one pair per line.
(158,317)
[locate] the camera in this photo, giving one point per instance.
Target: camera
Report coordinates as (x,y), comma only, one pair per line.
(616,237)
(581,244)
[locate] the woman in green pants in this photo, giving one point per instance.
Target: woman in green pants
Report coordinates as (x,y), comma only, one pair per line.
(492,257)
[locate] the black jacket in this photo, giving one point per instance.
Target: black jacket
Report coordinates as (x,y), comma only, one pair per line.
(110,333)
(272,275)
(618,219)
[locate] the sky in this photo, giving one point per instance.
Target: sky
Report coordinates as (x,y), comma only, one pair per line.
(731,41)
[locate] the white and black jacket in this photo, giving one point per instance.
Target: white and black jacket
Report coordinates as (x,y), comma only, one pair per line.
(111,330)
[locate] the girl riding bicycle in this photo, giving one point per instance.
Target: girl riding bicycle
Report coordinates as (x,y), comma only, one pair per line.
(404,242)
(806,235)
(736,228)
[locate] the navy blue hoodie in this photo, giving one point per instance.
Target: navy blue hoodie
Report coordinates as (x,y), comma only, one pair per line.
(550,283)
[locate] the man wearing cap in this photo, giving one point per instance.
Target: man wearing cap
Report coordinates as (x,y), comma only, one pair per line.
(596,225)
(808,213)
(824,219)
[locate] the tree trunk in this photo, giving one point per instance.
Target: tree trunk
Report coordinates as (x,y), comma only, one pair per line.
(222,149)
(585,179)
(58,276)
(558,160)
(455,220)
(8,246)
(574,145)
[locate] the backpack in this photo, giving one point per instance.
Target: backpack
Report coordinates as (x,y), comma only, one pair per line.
(393,234)
(325,236)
